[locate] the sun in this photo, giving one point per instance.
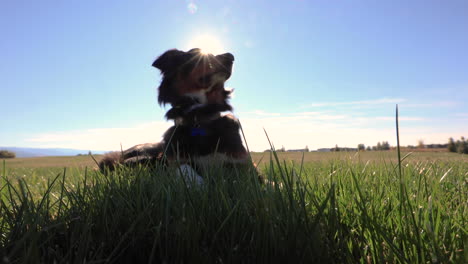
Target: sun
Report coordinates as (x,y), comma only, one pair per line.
(207,44)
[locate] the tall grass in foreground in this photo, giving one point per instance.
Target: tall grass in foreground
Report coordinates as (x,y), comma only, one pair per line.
(339,211)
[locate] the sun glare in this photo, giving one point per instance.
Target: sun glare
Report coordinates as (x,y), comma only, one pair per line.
(207,44)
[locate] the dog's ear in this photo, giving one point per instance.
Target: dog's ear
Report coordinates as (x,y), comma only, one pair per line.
(226,60)
(195,51)
(169,60)
(169,63)
(228,57)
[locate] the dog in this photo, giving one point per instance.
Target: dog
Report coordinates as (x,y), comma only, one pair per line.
(193,85)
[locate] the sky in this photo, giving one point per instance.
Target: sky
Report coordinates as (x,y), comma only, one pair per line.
(316,73)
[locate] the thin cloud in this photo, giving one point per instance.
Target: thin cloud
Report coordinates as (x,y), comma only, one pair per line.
(288,117)
(261,113)
(101,138)
(359,103)
(462,115)
(293,130)
(295,133)
(392,118)
(320,116)
(402,102)
(430,104)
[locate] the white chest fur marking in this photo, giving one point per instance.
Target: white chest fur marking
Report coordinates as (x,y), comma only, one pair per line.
(190,175)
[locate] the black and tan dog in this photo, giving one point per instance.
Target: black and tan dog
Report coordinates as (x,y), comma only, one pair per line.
(193,84)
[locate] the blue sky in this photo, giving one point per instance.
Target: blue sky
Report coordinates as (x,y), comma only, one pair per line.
(77,74)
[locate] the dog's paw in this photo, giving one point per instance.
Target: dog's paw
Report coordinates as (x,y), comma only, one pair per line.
(189,174)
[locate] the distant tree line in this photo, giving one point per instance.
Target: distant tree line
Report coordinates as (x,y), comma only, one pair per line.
(89,154)
(459,146)
(384,145)
(283,149)
(5,154)
(336,148)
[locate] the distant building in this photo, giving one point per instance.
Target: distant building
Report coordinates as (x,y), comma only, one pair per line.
(306,149)
(323,150)
(436,146)
(345,149)
(297,150)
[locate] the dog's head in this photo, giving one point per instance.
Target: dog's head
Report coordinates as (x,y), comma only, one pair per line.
(193,74)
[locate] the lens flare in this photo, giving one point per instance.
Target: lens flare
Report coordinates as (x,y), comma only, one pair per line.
(207,44)
(192,7)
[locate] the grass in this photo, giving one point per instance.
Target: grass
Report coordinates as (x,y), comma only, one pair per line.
(341,210)
(262,158)
(320,208)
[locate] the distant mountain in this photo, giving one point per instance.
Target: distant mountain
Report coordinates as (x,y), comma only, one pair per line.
(42,152)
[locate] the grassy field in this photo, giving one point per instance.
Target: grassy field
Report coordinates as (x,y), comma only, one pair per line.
(258,157)
(317,208)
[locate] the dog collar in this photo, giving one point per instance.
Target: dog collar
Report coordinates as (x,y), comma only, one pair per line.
(197,131)
(180,121)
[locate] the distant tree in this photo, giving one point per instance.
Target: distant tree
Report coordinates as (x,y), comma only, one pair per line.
(385,145)
(462,146)
(420,143)
(368,148)
(5,154)
(361,147)
(451,145)
(379,146)
(306,149)
(336,148)
(465,142)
